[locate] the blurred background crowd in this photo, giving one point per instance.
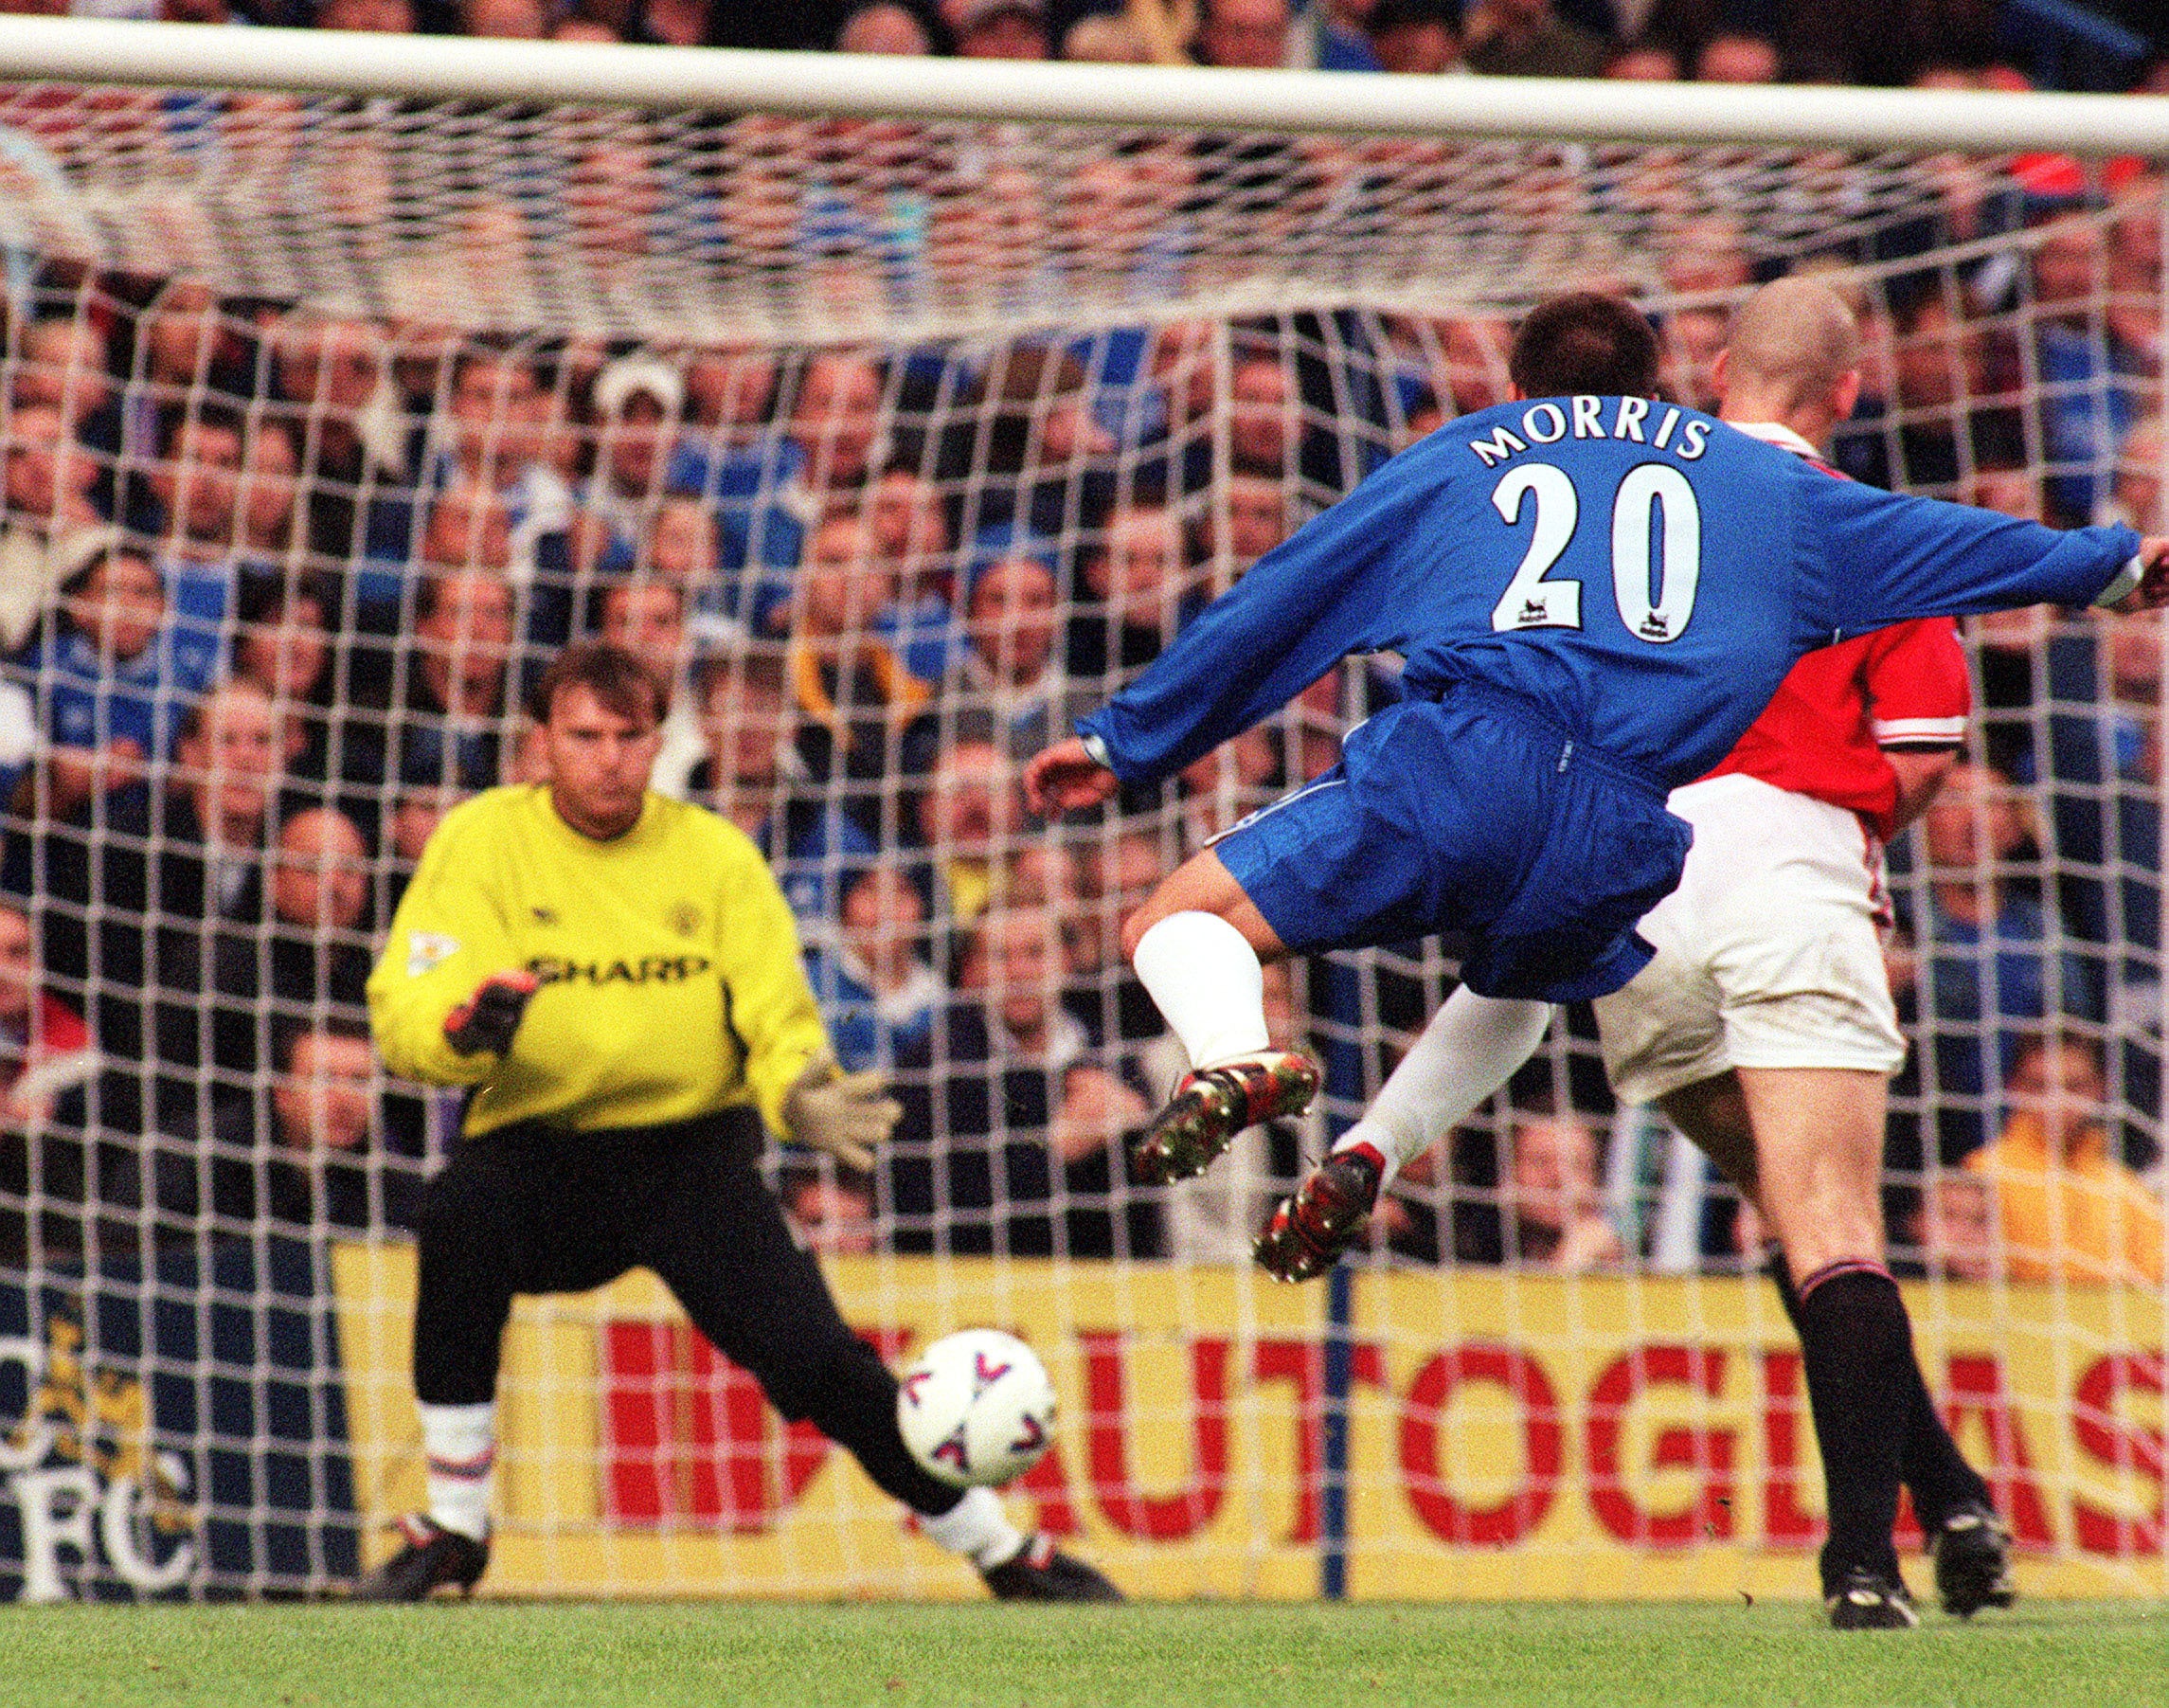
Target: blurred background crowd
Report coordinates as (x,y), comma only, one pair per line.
(2106,45)
(275,578)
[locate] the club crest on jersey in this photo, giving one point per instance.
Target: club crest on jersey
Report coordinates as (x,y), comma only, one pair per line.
(428,949)
(685,919)
(983,1377)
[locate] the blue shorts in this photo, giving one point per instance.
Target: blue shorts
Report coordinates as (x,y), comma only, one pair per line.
(1474,814)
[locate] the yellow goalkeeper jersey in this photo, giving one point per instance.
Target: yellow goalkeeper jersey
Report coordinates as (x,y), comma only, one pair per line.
(669,961)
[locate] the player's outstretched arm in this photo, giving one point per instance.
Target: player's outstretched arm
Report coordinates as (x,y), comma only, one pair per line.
(1064,777)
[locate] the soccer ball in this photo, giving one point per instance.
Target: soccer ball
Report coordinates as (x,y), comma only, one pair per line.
(977,1409)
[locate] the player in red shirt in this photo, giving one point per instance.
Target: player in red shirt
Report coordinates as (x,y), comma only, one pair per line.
(1765,1027)
(1764,1030)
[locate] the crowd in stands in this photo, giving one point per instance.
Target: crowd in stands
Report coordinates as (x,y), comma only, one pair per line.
(1713,41)
(273,582)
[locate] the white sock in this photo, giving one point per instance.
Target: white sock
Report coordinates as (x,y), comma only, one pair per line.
(977,1528)
(461,1445)
(1207,980)
(1471,1047)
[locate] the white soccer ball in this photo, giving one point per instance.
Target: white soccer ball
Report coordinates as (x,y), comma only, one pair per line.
(976,1409)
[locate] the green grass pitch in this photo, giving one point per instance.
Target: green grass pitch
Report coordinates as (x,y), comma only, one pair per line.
(1192,1656)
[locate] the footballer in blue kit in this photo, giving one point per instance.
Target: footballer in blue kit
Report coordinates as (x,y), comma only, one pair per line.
(1594,594)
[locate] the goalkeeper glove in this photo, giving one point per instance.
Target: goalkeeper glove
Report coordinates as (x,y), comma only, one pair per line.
(488,1018)
(845,1114)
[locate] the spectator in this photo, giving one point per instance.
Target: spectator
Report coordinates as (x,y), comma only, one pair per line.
(1008,670)
(67,366)
(1243,33)
(770,494)
(2105,702)
(196,483)
(1693,340)
(183,349)
(884,27)
(2008,646)
(731,395)
(1736,56)
(45,1046)
(681,548)
(1550,1212)
(46,497)
(833,1211)
(1644,61)
(1953,421)
(496,417)
(1989,973)
(1139,592)
(388,17)
(1011,1124)
(1256,508)
(114,679)
(1107,39)
(331,690)
(1116,871)
(968,816)
(639,401)
(911,531)
(861,708)
(508,20)
(271,462)
(1417,37)
(2135,490)
(455,689)
(1525,37)
(756,776)
(1954,1228)
(358,477)
(881,996)
(2093,379)
(2069,1211)
(1334,35)
(46,1058)
(300,1153)
(648,619)
(999,30)
(134,876)
(1262,424)
(313,958)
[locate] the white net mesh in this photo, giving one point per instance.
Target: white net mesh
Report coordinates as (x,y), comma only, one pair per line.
(900,445)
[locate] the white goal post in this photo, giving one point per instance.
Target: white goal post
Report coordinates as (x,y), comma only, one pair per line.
(749,326)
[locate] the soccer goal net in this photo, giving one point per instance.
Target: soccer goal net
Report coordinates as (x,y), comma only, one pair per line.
(899,414)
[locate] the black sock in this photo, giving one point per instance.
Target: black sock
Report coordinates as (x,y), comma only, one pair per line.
(1930,1464)
(1857,1344)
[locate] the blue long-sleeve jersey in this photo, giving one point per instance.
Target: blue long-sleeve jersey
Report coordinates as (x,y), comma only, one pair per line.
(1643,573)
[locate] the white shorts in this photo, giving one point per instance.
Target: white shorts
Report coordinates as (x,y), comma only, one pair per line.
(1767,954)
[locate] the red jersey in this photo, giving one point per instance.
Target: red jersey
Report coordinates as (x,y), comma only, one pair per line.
(1824,732)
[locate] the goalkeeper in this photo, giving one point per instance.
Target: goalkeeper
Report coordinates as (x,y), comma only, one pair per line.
(615,977)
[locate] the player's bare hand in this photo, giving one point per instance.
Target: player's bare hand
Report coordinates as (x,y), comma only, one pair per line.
(2153,589)
(1065,777)
(488,1018)
(845,1114)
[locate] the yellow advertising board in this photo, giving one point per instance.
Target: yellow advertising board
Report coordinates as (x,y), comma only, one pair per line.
(1508,1436)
